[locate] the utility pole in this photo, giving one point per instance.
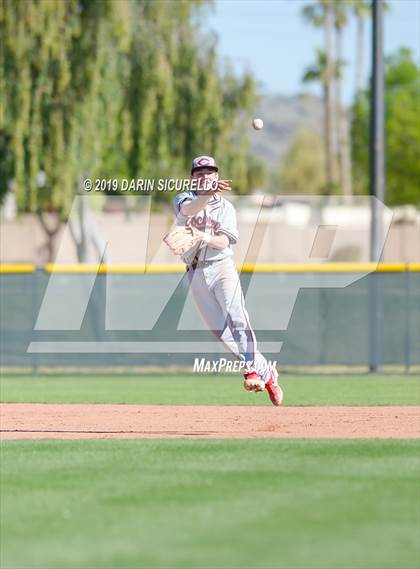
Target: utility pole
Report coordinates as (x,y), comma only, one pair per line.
(377,184)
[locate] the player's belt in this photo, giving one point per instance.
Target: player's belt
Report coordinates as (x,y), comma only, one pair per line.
(199,264)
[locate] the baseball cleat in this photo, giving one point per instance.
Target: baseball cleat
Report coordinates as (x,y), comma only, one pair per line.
(253,382)
(274,390)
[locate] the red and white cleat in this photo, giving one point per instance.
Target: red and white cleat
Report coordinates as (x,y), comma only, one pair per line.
(253,382)
(274,390)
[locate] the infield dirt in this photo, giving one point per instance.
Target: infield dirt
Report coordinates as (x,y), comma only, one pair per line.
(109,421)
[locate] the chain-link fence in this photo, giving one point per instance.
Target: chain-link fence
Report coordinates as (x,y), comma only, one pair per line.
(328,326)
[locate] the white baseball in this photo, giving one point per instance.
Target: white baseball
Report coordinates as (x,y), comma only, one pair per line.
(258,124)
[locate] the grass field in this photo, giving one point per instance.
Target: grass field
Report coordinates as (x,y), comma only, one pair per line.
(301,504)
(211,390)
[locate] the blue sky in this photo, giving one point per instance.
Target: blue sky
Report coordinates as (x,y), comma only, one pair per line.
(270,38)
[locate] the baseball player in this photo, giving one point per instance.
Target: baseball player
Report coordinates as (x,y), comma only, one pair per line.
(213,277)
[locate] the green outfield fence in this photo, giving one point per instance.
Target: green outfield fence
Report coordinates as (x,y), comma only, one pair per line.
(329,327)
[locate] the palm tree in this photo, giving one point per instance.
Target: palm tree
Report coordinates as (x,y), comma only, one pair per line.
(320,73)
(340,21)
(361,9)
(321,14)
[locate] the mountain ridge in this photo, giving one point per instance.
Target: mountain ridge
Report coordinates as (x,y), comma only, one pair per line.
(283,117)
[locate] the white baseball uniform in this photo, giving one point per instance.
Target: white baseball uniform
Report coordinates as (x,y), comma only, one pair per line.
(215,281)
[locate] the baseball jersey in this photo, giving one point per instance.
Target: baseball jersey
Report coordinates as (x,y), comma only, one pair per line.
(217,218)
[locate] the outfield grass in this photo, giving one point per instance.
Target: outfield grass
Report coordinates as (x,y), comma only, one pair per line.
(301,504)
(211,390)
(219,504)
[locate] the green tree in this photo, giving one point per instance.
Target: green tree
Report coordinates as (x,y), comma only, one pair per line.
(61,67)
(302,169)
(402,132)
(112,89)
(178,102)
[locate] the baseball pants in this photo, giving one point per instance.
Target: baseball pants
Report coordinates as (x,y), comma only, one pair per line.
(217,292)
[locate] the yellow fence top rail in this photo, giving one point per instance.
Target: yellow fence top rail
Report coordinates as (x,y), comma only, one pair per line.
(414,267)
(120,269)
(77,268)
(322,267)
(16,268)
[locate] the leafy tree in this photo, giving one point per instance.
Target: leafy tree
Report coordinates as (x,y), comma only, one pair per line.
(60,74)
(402,132)
(112,89)
(256,174)
(302,169)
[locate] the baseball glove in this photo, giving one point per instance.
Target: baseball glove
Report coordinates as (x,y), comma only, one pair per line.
(182,238)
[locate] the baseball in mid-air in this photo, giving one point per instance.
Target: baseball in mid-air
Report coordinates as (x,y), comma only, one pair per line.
(258,124)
